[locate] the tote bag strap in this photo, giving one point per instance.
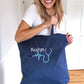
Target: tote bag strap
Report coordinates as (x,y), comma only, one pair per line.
(52,30)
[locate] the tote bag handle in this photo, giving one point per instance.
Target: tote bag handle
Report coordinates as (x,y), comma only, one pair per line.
(52,30)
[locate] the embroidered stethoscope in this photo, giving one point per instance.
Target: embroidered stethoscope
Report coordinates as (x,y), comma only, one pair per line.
(38,55)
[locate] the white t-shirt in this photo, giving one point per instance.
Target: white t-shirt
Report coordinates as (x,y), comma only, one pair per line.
(32,18)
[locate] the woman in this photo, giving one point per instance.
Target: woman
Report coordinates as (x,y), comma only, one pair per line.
(37,21)
(40,16)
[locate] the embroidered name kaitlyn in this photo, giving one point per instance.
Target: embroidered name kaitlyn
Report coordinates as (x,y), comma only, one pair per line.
(37,49)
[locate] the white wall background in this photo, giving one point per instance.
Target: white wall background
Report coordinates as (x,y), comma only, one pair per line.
(75,15)
(10,17)
(11,12)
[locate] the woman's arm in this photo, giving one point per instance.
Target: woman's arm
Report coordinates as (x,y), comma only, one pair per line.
(24,32)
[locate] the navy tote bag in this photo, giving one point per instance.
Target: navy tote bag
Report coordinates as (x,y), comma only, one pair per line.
(43,59)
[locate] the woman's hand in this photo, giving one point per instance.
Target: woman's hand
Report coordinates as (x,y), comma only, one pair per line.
(69,38)
(53,20)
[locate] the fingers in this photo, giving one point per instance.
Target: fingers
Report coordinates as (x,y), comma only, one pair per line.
(54,20)
(69,37)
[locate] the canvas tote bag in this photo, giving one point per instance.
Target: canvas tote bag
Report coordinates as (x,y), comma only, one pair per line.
(43,59)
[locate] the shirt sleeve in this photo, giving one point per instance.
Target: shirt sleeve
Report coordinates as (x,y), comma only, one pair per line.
(29,15)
